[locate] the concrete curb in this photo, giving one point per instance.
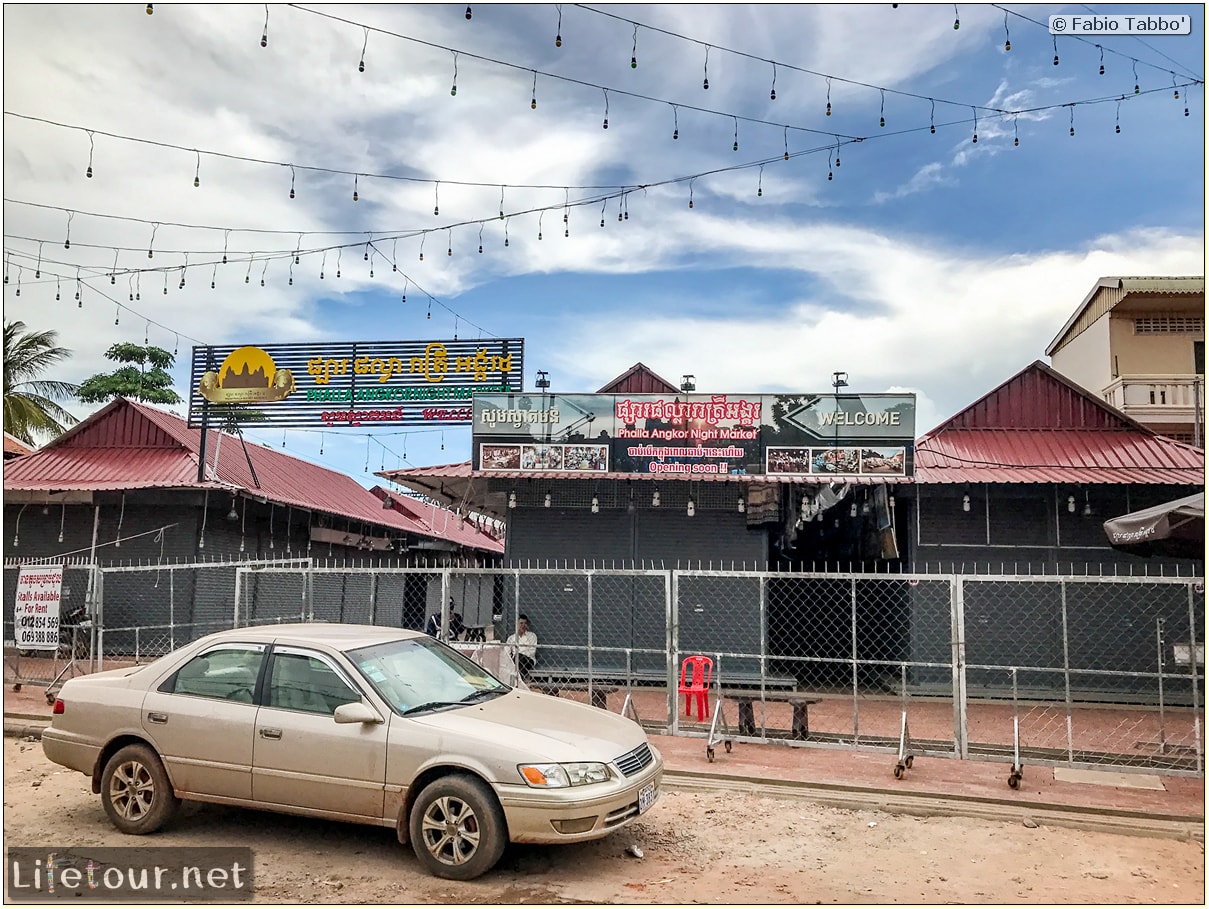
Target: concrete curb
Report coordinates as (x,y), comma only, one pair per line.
(24,727)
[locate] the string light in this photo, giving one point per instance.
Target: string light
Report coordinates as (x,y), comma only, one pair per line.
(603,206)
(705,84)
(480,238)
(785,139)
(760,183)
(735,147)
(533,98)
(772,92)
(1055,50)
(829,97)
(1072,119)
(453,89)
(539,224)
(690,193)
(606,113)
(436,198)
(1007,36)
(364,45)
(151,243)
(1177,91)
(264,35)
(634,51)
(957,18)
(506,231)
(197,173)
(558,35)
(468,13)
(91,149)
(501,203)
(1136,85)
(1101,59)
(932,117)
(449,238)
(356,181)
(1016,133)
(675,122)
(149,8)
(292,175)
(882,117)
(975,110)
(830,159)
(1118,117)
(67,240)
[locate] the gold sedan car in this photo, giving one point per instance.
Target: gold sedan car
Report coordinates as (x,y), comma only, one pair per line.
(354,723)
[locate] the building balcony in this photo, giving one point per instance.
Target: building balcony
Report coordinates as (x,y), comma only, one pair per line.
(1166,399)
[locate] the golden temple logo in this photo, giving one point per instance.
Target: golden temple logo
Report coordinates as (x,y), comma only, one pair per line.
(247,376)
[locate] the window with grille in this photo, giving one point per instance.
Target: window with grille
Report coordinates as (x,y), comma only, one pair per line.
(1168,325)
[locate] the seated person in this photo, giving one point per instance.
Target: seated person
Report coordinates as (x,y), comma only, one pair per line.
(522,647)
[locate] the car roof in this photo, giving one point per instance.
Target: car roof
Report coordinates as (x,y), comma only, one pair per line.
(337,636)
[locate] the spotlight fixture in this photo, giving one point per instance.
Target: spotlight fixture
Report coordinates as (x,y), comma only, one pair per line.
(1070,504)
(546,503)
(543,379)
(692,507)
(742,504)
(688,383)
(232,515)
(595,504)
(891,501)
(512,499)
(655,499)
(965,503)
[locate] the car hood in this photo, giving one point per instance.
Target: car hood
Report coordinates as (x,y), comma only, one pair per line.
(540,727)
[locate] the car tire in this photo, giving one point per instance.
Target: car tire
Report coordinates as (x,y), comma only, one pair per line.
(457,828)
(136,792)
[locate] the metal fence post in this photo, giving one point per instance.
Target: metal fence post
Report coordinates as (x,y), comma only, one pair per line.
(1158,642)
(672,594)
(238,595)
(589,636)
(961,717)
(1070,736)
(856,721)
(373,599)
(98,620)
(1196,701)
(763,631)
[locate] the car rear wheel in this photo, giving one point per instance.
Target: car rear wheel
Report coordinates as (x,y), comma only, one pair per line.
(136,791)
(457,828)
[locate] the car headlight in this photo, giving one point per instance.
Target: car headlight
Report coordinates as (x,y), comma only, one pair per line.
(559,776)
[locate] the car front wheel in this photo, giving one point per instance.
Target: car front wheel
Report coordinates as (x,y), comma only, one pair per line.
(457,828)
(136,791)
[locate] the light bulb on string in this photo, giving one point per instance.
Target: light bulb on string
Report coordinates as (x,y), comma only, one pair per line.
(38,266)
(558,35)
(606,113)
(1072,119)
(213,274)
(264,35)
(1136,87)
(429,314)
(1101,61)
(1007,36)
(539,224)
(453,88)
(364,45)
(828,97)
(149,8)
(58,289)
(339,256)
(91,149)
(18,293)
(480,238)
(975,110)
(1118,117)
(735,147)
(830,161)
(1055,51)
(634,51)
(356,180)
(837,153)
(932,118)
(322,265)
(113,272)
(533,99)
(1015,133)
(449,238)
(1174,86)
(603,206)
(760,182)
(506,231)
(690,193)
(247,278)
(436,198)
(165,283)
(675,122)
(957,18)
(405,283)
(423,238)
(785,139)
(67,239)
(197,172)
(468,13)
(501,203)
(772,92)
(265,269)
(882,116)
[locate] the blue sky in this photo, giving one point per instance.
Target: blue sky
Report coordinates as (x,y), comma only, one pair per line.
(929,263)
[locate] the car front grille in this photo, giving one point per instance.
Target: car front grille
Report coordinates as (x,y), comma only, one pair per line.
(633,761)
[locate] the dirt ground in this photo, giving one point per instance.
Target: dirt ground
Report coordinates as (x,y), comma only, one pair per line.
(695,848)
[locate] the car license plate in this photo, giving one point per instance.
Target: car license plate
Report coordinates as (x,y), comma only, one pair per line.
(646,797)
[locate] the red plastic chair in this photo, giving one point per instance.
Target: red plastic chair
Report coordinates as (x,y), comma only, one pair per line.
(698,684)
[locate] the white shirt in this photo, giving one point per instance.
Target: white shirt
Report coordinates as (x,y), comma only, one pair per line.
(526,645)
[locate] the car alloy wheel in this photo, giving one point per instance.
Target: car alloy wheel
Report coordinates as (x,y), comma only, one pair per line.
(457,828)
(136,792)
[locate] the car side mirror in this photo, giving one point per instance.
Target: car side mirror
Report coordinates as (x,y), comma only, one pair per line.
(356,712)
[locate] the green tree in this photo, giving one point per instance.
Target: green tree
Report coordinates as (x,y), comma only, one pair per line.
(144,377)
(29,402)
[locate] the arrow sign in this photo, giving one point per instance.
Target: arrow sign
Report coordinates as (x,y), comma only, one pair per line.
(830,418)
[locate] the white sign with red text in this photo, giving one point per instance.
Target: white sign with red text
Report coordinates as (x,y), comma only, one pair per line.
(36,616)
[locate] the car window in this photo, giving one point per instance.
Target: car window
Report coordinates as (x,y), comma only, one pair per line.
(418,671)
(299,681)
(228,673)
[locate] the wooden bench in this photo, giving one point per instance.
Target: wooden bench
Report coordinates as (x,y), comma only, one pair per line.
(744,698)
(599,693)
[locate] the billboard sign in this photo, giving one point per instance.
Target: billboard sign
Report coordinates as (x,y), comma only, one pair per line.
(692,435)
(363,383)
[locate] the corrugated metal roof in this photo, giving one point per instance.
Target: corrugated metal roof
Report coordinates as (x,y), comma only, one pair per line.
(14,447)
(1055,456)
(128,445)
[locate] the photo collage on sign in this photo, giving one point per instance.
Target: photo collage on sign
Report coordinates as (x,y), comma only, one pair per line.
(581,458)
(834,461)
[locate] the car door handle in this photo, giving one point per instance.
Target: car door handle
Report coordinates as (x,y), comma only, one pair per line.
(267,733)
(159,718)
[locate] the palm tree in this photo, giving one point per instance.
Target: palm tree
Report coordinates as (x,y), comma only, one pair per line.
(29,406)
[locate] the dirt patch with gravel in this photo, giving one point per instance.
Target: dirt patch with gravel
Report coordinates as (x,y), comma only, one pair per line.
(692,847)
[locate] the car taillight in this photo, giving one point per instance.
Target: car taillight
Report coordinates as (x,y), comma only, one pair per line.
(59,707)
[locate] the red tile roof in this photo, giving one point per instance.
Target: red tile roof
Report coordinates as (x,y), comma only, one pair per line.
(127,445)
(1039,427)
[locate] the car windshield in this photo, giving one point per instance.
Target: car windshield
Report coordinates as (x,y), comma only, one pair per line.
(422,674)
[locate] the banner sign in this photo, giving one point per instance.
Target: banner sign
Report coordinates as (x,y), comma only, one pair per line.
(36,616)
(364,383)
(691,435)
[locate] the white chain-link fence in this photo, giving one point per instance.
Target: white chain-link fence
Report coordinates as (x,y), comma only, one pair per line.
(1060,670)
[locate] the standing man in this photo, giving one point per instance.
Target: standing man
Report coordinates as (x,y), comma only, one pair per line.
(523,647)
